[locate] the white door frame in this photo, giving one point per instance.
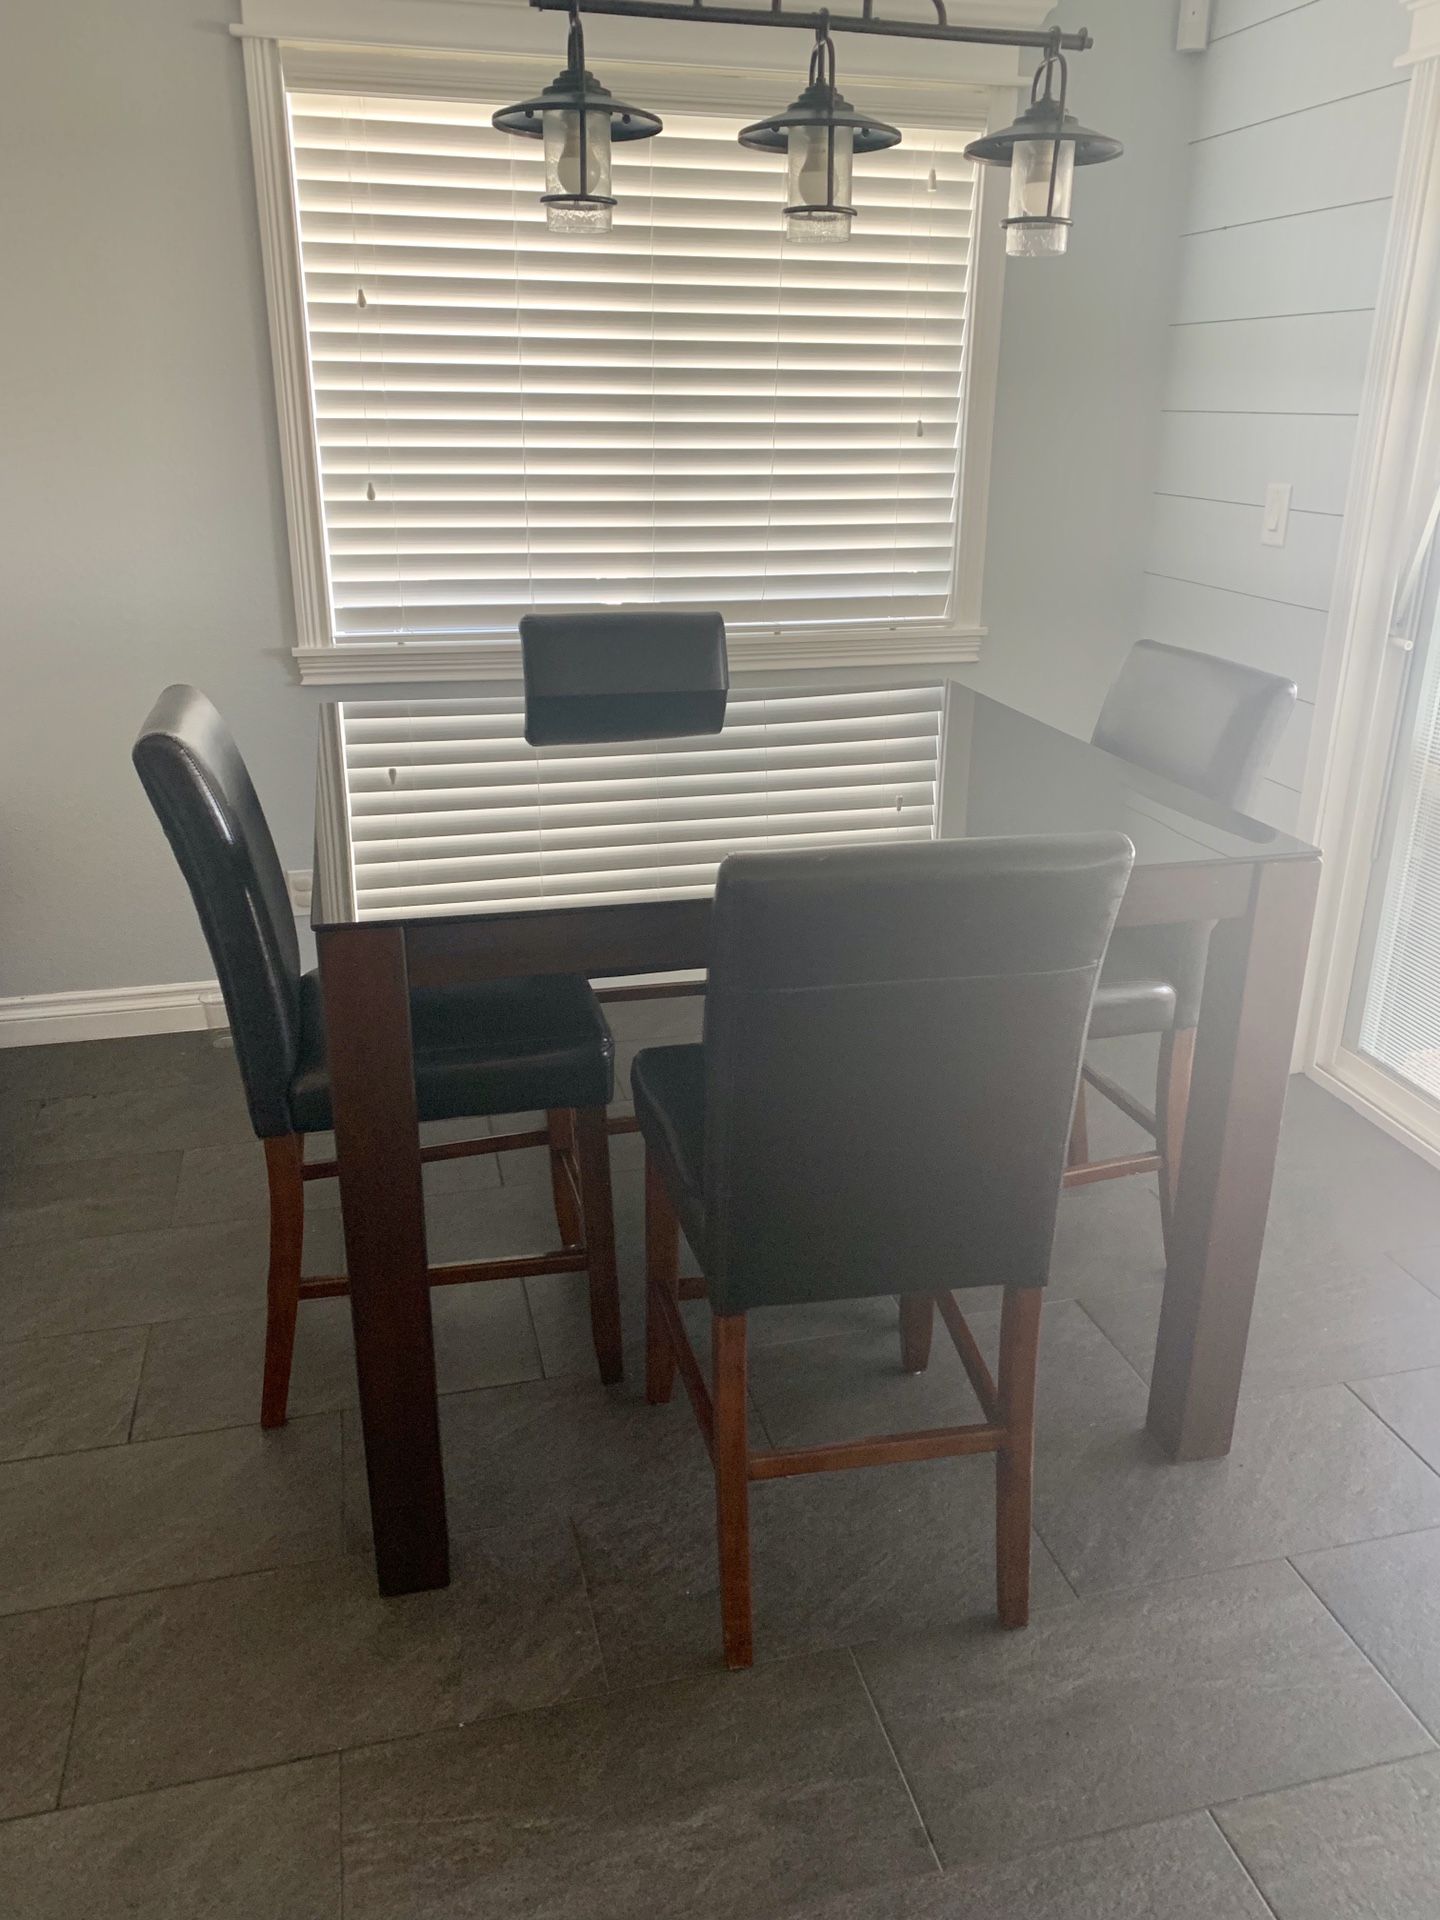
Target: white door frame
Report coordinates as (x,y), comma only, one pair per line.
(1344,788)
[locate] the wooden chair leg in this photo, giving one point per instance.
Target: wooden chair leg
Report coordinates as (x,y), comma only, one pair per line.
(662,1275)
(917,1324)
(1015,1460)
(1078,1152)
(592,1143)
(284,1156)
(1172,1101)
(560,1125)
(732,1486)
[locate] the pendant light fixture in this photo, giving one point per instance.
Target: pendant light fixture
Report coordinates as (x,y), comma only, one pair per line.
(1042,150)
(820,133)
(577,119)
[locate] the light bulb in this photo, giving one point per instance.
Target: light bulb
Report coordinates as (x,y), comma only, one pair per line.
(565,174)
(1030,198)
(811,185)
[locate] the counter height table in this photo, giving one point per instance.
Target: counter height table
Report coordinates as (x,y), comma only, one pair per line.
(447,849)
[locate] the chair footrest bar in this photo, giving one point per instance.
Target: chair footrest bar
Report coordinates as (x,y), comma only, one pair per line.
(1112,1091)
(443,1150)
(1092,1170)
(689,1366)
(971,1358)
(887,1449)
(497,1143)
(458,1273)
(520,1267)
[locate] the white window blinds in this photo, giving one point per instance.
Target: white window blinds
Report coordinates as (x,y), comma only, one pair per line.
(450,808)
(688,412)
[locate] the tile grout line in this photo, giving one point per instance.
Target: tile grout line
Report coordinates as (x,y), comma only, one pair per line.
(1376,1414)
(1234,1853)
(890,1749)
(75,1709)
(139,1386)
(1374,1667)
(1113,1345)
(594,1619)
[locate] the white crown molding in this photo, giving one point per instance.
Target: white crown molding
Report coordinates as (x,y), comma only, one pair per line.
(111,1013)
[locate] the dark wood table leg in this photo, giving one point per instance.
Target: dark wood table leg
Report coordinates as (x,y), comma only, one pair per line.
(1242,1064)
(377,1139)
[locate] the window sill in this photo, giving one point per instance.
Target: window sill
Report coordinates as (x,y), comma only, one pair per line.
(403,662)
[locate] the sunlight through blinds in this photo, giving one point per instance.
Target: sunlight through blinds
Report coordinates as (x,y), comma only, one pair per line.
(449,807)
(686,413)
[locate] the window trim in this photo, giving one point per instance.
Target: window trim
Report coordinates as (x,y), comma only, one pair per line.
(272,66)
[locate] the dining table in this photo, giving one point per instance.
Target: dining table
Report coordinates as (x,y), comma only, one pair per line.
(449,849)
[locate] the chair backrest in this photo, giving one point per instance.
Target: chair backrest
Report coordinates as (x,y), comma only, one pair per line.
(191,768)
(1208,724)
(893,1041)
(627,675)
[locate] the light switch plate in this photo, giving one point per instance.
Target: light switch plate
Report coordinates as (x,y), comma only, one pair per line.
(1192,35)
(1275,515)
(297,883)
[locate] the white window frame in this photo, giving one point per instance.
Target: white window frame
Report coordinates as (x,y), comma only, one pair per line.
(1345,786)
(274,64)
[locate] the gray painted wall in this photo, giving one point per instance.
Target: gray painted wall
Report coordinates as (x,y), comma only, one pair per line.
(1082,369)
(1296,139)
(140,508)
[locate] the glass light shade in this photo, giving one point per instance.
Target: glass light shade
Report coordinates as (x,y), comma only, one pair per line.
(810,184)
(1030,199)
(563,172)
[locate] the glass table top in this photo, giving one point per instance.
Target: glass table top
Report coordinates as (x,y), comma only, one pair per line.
(440,808)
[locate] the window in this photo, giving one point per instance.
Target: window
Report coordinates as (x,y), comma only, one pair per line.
(689,412)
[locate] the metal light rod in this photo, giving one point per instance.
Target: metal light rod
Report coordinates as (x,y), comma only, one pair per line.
(776,15)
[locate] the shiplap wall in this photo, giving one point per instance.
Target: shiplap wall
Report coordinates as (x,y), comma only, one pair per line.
(1291,170)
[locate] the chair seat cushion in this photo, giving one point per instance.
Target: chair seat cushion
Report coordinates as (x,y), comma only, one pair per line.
(498,1046)
(669,1088)
(1137,1005)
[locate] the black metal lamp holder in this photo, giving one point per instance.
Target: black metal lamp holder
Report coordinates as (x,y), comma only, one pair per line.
(1046,118)
(577,91)
(821,105)
(812,21)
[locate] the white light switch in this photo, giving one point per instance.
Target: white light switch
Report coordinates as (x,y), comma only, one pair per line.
(1192,35)
(1275,517)
(297,882)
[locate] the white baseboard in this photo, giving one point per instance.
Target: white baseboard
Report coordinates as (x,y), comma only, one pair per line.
(110,1013)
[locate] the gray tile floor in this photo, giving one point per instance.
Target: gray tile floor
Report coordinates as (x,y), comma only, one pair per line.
(1227,1704)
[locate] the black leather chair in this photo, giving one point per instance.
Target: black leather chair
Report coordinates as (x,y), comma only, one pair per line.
(953,982)
(1211,725)
(627,675)
(497,1047)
